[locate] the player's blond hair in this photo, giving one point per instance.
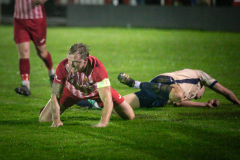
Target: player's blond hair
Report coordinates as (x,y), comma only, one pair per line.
(79,48)
(176,94)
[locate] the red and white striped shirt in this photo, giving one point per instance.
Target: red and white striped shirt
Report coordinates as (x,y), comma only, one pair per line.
(80,84)
(24,9)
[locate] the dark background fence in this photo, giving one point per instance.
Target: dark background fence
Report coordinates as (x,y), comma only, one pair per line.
(201,18)
(220,15)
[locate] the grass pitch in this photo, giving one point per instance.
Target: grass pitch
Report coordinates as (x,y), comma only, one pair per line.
(157,133)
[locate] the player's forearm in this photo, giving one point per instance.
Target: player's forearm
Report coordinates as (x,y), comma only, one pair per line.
(55,109)
(231,97)
(227,93)
(191,104)
(106,97)
(106,113)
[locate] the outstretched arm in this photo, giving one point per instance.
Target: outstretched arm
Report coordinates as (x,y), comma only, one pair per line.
(55,108)
(211,103)
(106,97)
(226,93)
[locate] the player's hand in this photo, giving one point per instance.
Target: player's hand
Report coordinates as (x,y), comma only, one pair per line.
(100,125)
(177,104)
(213,103)
(216,103)
(57,124)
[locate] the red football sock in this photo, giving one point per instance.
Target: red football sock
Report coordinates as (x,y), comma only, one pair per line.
(24,67)
(25,77)
(48,61)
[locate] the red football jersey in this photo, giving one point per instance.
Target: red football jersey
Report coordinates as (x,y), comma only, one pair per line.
(24,9)
(80,84)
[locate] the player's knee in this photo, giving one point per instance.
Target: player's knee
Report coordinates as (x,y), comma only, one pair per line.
(43,55)
(41,119)
(24,54)
(132,117)
(129,117)
(44,119)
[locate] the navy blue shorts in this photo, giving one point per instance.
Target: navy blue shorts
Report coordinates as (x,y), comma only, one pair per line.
(149,100)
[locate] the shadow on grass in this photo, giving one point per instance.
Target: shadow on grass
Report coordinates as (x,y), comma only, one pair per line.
(32,121)
(226,115)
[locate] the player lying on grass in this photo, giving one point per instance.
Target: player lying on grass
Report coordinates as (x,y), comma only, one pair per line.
(167,91)
(78,77)
(192,86)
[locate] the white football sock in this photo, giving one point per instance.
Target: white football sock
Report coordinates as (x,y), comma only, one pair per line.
(137,84)
(26,83)
(51,72)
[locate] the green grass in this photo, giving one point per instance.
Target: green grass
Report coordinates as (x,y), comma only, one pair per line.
(157,133)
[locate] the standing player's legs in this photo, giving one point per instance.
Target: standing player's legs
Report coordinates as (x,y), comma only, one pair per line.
(38,30)
(24,64)
(22,40)
(47,59)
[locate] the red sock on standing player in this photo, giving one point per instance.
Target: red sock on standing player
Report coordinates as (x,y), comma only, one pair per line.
(24,67)
(49,64)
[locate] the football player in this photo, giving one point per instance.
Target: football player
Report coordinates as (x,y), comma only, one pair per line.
(30,24)
(78,77)
(192,85)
